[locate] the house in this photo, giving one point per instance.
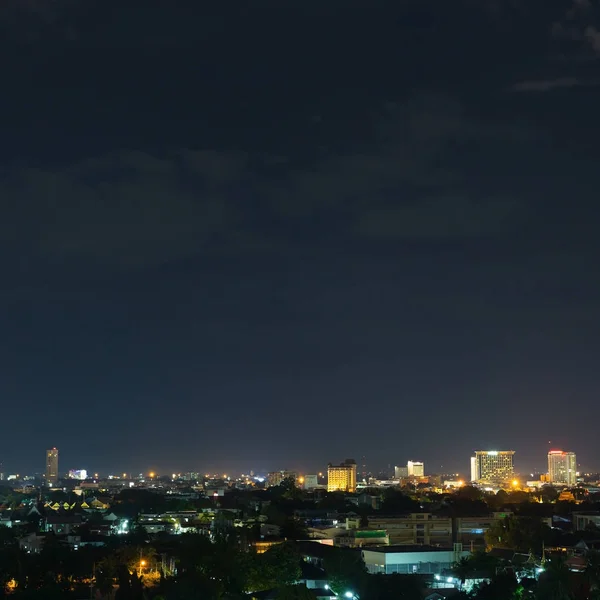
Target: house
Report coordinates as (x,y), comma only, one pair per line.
(32,543)
(62,524)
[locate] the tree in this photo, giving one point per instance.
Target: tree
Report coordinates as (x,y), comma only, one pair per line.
(592,571)
(282,562)
(522,534)
(345,570)
(394,587)
(395,502)
(555,582)
(549,494)
(295,592)
(503,586)
(294,529)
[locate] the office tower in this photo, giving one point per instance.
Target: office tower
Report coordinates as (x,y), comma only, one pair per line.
(494,466)
(415,469)
(562,467)
(51,467)
(342,478)
(474,469)
(400,472)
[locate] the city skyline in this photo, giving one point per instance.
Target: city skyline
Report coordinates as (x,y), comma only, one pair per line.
(220,242)
(300,467)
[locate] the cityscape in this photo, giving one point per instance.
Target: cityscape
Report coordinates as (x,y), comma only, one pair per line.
(298,300)
(441,530)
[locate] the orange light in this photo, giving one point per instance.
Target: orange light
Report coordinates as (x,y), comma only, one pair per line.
(142,563)
(515,483)
(152,474)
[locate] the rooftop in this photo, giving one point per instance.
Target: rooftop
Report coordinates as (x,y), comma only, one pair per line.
(409,548)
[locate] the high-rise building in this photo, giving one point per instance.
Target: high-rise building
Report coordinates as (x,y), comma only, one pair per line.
(474,469)
(493,466)
(276,478)
(51,467)
(415,469)
(562,467)
(400,472)
(342,478)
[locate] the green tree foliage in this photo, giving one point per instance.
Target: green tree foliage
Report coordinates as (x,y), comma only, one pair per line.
(345,570)
(282,564)
(395,502)
(294,529)
(521,534)
(503,586)
(394,587)
(555,582)
(479,563)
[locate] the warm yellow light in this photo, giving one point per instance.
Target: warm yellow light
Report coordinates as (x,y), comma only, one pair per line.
(461,483)
(515,483)
(152,473)
(142,563)
(300,479)
(320,474)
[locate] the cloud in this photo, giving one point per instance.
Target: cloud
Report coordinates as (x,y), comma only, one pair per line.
(546,85)
(442,218)
(131,208)
(578,25)
(592,36)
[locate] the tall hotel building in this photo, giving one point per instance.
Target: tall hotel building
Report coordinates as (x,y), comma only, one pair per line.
(342,478)
(492,466)
(51,467)
(562,467)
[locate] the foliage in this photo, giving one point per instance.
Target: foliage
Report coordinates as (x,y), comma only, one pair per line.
(555,582)
(394,587)
(503,586)
(522,534)
(395,502)
(345,570)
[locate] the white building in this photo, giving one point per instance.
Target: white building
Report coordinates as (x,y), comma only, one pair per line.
(415,469)
(426,560)
(474,469)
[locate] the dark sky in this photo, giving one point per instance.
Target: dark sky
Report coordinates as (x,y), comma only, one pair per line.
(270,235)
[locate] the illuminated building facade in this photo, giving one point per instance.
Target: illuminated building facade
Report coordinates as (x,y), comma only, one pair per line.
(52,467)
(342,478)
(562,467)
(415,469)
(493,466)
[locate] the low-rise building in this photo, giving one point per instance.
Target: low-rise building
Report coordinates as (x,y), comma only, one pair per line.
(425,560)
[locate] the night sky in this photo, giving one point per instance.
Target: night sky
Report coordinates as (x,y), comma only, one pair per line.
(272,235)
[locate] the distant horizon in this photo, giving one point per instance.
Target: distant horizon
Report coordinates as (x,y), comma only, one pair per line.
(264,469)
